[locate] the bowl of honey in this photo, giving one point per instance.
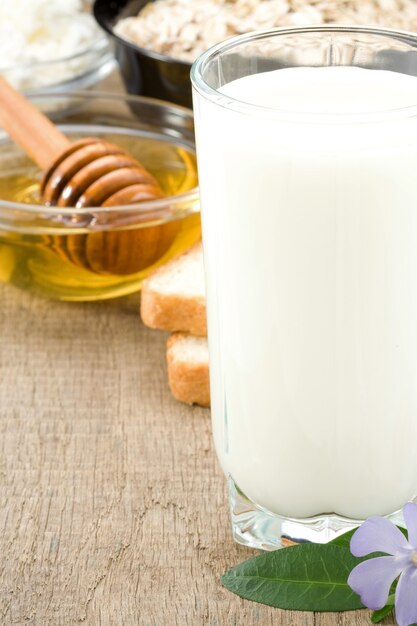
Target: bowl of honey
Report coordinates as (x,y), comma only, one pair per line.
(95,253)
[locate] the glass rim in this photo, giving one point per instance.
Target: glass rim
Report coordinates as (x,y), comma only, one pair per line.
(155,208)
(212,94)
(100,45)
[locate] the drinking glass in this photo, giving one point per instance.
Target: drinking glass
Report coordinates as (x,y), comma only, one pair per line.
(309,219)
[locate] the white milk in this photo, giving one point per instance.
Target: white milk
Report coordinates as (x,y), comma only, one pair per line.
(310,236)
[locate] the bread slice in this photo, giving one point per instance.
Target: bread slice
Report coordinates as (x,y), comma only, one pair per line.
(188,368)
(173,297)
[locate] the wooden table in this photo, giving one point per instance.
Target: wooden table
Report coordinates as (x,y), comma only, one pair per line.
(113,509)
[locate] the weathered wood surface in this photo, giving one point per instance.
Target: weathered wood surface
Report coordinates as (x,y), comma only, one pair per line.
(113,509)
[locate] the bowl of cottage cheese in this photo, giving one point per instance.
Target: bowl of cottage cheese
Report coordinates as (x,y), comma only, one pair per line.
(54,45)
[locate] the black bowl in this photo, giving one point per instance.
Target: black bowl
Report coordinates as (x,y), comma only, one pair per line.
(144,71)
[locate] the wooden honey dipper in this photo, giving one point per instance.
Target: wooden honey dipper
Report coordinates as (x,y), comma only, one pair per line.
(89,172)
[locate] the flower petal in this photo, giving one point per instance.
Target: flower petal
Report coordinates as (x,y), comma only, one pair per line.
(410,516)
(372,580)
(377,534)
(406,597)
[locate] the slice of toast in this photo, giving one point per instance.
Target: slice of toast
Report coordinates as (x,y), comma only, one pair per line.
(173,297)
(188,368)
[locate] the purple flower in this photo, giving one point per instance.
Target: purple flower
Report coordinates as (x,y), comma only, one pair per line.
(372,579)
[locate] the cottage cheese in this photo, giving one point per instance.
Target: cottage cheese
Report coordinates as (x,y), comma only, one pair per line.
(41,31)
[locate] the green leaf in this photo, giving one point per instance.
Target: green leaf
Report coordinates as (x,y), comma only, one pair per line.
(379,615)
(307,577)
(344,540)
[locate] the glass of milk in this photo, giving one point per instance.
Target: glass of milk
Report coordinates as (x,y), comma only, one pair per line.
(307,156)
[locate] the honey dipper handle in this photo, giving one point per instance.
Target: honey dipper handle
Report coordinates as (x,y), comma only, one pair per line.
(29,128)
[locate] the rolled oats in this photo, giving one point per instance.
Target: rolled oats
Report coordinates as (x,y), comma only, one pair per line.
(184,28)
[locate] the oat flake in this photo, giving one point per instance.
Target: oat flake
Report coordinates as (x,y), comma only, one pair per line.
(185,28)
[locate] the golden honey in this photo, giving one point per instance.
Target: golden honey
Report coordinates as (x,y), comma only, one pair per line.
(93,255)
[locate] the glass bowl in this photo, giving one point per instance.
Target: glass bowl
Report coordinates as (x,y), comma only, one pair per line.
(99,253)
(144,71)
(81,68)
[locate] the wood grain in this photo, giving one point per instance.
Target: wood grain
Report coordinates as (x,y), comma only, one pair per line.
(41,140)
(113,509)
